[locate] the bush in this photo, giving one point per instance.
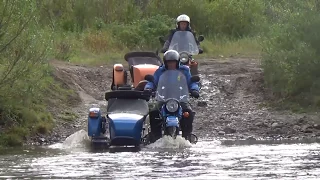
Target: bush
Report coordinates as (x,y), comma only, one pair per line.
(291,53)
(24,71)
(144,33)
(234,18)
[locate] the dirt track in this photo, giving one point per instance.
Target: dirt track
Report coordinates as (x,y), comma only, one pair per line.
(229,107)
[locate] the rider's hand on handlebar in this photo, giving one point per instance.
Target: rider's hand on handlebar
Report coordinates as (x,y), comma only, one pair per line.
(195,94)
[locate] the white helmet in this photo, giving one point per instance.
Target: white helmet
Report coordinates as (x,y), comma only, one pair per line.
(183,17)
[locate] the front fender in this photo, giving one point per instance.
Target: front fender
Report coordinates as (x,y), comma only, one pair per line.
(94,122)
(172,121)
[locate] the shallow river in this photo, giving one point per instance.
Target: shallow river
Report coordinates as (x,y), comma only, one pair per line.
(165,159)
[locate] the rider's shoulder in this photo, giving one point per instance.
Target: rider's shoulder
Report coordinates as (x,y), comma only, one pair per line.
(161,68)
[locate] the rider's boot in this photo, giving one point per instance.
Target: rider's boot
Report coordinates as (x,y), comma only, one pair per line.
(155,123)
(186,126)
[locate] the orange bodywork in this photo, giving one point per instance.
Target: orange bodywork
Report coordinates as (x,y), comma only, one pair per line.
(118,75)
(139,72)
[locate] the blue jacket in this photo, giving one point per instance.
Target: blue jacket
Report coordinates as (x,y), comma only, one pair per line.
(186,71)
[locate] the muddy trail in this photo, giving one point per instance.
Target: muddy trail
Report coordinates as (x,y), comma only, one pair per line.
(229,106)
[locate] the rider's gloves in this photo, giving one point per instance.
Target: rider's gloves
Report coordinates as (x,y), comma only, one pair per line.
(195,94)
(200,51)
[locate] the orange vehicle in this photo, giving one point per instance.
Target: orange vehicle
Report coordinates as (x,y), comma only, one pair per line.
(140,64)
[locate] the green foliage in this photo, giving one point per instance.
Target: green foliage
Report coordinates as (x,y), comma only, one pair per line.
(24,71)
(291,53)
(106,27)
(142,33)
(234,18)
(68,116)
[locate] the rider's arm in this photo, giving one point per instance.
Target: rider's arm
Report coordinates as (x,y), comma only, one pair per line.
(156,75)
(193,86)
(167,43)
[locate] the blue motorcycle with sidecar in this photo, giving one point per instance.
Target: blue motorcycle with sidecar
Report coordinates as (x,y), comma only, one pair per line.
(127,124)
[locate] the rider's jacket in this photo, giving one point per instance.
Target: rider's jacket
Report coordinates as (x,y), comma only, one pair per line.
(185,70)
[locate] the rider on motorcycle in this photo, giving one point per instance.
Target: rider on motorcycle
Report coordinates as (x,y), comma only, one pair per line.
(171,62)
(183,24)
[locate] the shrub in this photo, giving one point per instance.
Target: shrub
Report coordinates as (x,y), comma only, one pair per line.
(291,53)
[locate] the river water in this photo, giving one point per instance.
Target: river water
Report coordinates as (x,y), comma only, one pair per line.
(165,159)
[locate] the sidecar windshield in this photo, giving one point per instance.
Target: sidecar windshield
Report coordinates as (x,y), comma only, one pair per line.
(184,41)
(172,84)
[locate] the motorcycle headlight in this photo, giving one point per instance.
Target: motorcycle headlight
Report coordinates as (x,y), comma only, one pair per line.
(184,58)
(172,106)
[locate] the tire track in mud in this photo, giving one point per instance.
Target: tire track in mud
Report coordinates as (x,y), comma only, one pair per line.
(229,106)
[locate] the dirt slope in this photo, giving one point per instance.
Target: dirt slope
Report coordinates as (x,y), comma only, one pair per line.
(229,106)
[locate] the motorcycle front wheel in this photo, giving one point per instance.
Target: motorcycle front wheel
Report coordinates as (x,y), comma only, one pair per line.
(171,131)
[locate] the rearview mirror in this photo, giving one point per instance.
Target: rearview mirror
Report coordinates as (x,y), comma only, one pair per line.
(201,38)
(149,78)
(195,78)
(161,39)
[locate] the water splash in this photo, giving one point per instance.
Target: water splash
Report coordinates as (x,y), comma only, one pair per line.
(168,142)
(79,139)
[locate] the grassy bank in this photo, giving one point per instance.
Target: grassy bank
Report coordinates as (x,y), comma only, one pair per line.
(283,33)
(213,47)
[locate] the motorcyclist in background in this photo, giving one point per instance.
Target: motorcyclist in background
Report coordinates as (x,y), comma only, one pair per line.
(171,61)
(183,24)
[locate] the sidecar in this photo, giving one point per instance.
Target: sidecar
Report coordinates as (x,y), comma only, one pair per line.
(126,122)
(139,65)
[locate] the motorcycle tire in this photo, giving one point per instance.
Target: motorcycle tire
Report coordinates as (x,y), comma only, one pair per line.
(171,131)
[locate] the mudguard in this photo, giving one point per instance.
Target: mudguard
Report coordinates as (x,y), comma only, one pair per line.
(94,122)
(172,121)
(125,129)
